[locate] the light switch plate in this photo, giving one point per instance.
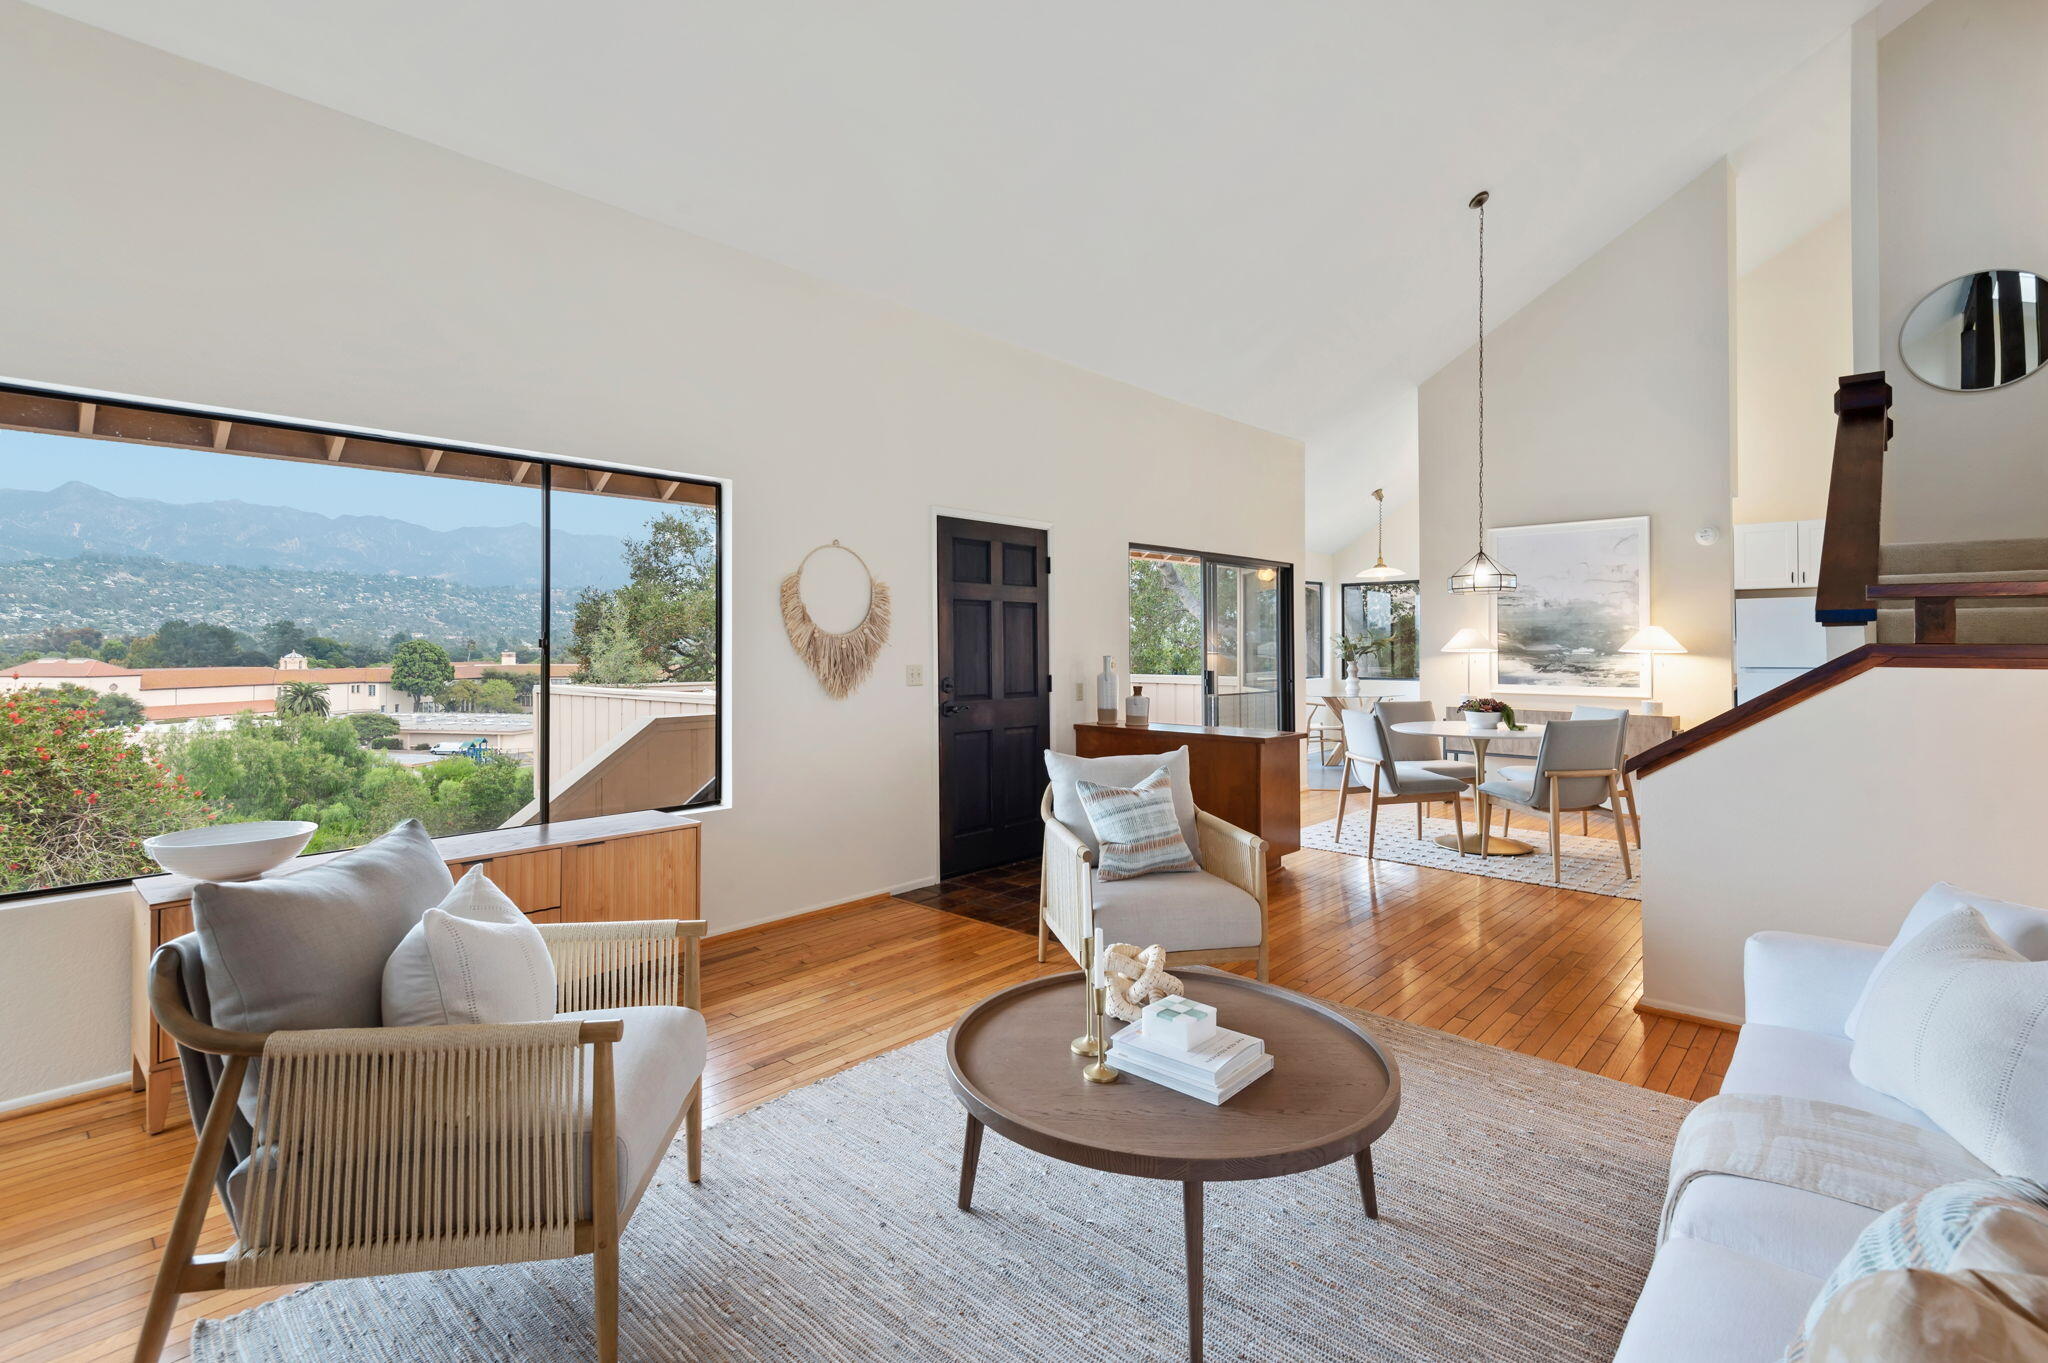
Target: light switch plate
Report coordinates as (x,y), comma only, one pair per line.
(913,674)
(1080,693)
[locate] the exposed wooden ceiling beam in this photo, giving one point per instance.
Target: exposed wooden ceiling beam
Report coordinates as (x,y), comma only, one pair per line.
(598,478)
(430,460)
(335,445)
(668,488)
(87,412)
(519,471)
(220,433)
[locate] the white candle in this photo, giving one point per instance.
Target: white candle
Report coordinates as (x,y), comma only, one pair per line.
(1096,957)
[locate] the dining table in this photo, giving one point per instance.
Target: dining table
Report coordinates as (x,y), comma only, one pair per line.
(1474,843)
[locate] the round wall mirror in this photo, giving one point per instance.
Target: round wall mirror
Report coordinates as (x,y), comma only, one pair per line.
(1980,331)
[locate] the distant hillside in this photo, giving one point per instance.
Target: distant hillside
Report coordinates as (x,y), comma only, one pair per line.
(78,518)
(133,595)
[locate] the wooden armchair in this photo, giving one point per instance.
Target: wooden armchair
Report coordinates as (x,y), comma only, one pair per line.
(1209,917)
(374,1150)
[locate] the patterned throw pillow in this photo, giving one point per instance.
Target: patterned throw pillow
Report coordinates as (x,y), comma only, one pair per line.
(1978,1229)
(1139,832)
(1913,1315)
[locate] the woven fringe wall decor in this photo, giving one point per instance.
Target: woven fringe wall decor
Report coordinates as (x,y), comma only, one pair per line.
(841,662)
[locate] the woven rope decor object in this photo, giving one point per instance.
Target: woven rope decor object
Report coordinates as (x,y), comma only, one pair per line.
(841,662)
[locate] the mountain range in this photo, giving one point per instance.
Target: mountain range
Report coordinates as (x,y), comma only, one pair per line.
(79,519)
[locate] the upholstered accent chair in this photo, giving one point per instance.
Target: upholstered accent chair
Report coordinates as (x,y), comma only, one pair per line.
(1374,767)
(352,1151)
(1213,916)
(1576,768)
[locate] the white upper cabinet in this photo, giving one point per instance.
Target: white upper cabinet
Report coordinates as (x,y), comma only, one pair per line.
(1779,554)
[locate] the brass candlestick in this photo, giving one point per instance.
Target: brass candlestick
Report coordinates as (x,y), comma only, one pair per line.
(1097,1071)
(1089,1043)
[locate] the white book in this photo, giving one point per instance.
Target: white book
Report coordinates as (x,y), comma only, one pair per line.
(1215,1061)
(1140,1064)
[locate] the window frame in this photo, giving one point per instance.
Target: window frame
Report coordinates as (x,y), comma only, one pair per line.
(1344,589)
(1315,628)
(89,400)
(1284,586)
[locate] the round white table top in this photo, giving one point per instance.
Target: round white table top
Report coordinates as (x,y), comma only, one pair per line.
(1455,728)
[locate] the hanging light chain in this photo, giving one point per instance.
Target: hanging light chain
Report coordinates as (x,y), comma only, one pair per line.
(1480,203)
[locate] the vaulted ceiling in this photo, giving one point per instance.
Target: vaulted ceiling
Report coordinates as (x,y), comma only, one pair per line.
(1257,208)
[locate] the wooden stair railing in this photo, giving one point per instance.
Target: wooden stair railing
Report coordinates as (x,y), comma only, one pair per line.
(1851,541)
(1934,603)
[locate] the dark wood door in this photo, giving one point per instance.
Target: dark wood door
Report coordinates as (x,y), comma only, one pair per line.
(994,693)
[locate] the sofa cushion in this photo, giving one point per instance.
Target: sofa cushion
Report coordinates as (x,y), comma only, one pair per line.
(1703,1303)
(2022,928)
(1065,769)
(1956,1024)
(1795,1063)
(1135,828)
(474,957)
(307,950)
(1198,912)
(1804,1231)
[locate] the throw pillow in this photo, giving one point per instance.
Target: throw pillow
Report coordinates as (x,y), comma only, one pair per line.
(1066,771)
(1957,1026)
(1910,1315)
(307,949)
(1135,828)
(1979,1229)
(2022,928)
(474,957)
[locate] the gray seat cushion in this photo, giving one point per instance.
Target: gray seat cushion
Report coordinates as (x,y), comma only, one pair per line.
(1424,778)
(307,950)
(1464,771)
(1198,912)
(1065,769)
(654,1066)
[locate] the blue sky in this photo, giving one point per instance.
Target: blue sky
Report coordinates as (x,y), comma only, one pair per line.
(36,463)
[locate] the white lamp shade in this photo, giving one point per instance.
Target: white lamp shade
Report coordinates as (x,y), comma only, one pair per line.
(1470,641)
(1380,572)
(1651,639)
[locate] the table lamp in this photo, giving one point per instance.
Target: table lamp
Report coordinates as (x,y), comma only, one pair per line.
(1650,641)
(1469,642)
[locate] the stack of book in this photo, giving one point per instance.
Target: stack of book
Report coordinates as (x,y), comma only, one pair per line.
(1215,1068)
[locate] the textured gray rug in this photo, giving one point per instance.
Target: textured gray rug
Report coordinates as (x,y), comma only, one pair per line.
(1519,1201)
(1590,864)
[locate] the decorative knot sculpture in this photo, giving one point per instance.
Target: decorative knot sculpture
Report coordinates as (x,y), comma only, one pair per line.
(1132,978)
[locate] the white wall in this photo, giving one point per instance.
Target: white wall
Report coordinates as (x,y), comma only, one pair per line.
(181,234)
(1794,340)
(1960,190)
(1831,817)
(1606,396)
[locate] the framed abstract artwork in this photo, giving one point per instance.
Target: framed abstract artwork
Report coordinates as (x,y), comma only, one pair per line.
(1582,588)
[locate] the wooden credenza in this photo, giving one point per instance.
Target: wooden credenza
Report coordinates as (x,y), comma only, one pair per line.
(1247,777)
(621,867)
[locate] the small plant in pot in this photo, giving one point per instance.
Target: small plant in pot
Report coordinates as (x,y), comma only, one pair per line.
(1484,712)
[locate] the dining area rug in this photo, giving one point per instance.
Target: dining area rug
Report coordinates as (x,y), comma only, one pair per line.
(1592,864)
(1519,1202)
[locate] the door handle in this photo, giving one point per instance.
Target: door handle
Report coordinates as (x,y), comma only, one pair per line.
(951,708)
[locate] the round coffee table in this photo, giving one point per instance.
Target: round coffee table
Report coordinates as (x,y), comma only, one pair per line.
(1331,1094)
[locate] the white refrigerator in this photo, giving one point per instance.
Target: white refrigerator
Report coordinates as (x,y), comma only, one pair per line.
(1776,639)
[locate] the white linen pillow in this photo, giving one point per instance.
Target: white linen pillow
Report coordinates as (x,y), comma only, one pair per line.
(1957,1026)
(472,958)
(2021,927)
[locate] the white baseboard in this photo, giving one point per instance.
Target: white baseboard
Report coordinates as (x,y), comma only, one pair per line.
(1693,1011)
(58,1095)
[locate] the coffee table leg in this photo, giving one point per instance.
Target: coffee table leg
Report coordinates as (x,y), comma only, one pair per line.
(1363,1159)
(970,1159)
(1191,1210)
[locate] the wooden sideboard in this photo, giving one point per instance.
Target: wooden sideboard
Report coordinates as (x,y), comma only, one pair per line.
(623,867)
(1247,777)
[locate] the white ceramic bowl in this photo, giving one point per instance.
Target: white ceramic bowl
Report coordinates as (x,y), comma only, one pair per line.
(230,851)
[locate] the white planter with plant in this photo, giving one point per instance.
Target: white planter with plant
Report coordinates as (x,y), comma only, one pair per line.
(1484,712)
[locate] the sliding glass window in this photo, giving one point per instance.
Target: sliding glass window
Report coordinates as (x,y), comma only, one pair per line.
(1211,638)
(205,620)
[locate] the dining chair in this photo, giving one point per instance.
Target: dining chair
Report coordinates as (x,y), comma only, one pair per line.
(1574,770)
(1325,731)
(1388,779)
(1624,784)
(1423,748)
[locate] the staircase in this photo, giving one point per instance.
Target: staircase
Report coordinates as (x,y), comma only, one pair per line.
(1994,583)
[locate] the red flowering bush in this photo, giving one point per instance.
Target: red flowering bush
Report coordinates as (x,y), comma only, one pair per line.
(77,797)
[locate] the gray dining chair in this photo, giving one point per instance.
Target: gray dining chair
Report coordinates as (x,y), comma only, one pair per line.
(1624,784)
(1420,747)
(1574,770)
(1369,753)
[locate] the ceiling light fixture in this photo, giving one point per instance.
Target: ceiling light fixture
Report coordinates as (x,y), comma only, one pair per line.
(1380,572)
(1479,573)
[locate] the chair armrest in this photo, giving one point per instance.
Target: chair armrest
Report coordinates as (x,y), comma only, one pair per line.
(625,965)
(1792,979)
(1229,853)
(1066,880)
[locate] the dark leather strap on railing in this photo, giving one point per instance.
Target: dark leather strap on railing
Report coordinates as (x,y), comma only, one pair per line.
(1849,546)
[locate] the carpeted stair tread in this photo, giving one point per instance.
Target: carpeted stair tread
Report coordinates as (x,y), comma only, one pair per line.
(1996,558)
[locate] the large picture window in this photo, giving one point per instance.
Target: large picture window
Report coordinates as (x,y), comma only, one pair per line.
(1376,635)
(206,619)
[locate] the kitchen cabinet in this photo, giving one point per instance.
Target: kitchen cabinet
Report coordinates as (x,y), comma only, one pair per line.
(1778,554)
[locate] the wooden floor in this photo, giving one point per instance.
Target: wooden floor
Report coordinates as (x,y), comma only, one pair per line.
(85,1196)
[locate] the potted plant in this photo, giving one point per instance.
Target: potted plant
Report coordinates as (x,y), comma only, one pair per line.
(1484,712)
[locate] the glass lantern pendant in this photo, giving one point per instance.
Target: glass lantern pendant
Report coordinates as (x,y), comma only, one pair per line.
(1479,573)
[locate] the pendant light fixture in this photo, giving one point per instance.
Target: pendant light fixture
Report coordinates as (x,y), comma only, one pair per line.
(1380,572)
(1479,573)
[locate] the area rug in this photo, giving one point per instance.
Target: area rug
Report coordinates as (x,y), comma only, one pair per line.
(1590,864)
(1518,1197)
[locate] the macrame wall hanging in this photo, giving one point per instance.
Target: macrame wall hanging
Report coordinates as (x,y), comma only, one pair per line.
(841,662)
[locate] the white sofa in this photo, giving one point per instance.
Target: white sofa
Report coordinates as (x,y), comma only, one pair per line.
(1744,1259)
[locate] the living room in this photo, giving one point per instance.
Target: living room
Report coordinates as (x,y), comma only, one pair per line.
(743,434)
